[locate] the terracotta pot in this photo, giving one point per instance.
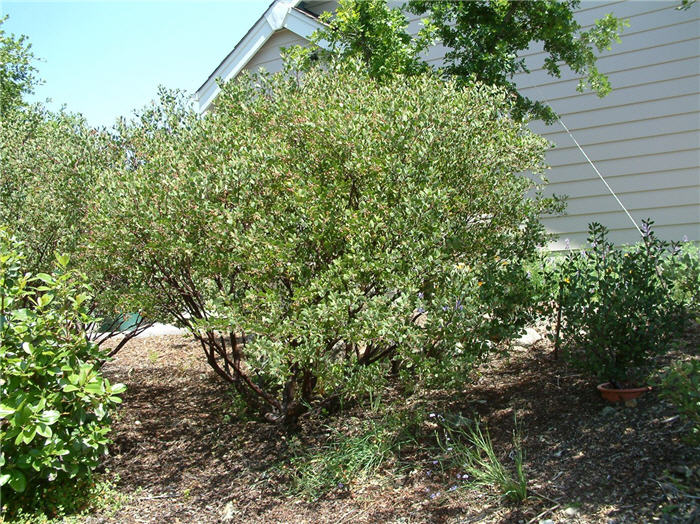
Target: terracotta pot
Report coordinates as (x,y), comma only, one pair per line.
(612,394)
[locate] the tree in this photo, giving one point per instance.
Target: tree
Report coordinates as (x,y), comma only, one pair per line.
(370,31)
(311,234)
(484,37)
(17,72)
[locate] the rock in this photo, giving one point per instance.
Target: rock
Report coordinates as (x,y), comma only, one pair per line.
(228,513)
(570,512)
(608,411)
(520,349)
(528,339)
(547,521)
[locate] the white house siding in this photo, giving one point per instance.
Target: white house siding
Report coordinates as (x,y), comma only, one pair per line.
(644,137)
(268,57)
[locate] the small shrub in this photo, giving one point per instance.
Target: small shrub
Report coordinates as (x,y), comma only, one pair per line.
(54,410)
(616,306)
(680,384)
(65,503)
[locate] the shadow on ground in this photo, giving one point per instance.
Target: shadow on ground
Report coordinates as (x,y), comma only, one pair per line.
(182,458)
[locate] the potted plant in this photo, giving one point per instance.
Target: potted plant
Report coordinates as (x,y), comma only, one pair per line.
(616,310)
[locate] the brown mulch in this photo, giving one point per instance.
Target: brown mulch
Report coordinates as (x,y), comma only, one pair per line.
(183,456)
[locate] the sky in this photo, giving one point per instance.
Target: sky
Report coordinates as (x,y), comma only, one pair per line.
(105,59)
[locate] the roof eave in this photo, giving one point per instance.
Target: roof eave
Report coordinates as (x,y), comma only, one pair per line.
(280,15)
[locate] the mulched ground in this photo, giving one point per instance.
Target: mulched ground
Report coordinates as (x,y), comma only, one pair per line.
(182,455)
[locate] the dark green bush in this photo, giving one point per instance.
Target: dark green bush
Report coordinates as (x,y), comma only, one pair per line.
(616,306)
(54,404)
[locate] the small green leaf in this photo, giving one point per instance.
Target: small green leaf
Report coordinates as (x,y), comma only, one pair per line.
(62,260)
(21,314)
(4,478)
(69,387)
(45,300)
(18,481)
(95,388)
(28,434)
(118,388)
(50,416)
(44,430)
(45,278)
(5,411)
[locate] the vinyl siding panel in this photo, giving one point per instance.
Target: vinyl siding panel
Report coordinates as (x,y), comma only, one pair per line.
(662,163)
(644,137)
(624,184)
(268,57)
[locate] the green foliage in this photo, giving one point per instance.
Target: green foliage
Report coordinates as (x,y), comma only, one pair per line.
(682,271)
(17,72)
(302,229)
(370,31)
(680,384)
(479,305)
(469,449)
(616,305)
(65,503)
(50,163)
(55,406)
(486,39)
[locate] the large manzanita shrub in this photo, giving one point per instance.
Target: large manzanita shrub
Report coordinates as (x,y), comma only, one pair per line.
(312,234)
(54,404)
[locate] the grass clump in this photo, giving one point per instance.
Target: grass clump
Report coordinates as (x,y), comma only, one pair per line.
(680,385)
(467,447)
(346,459)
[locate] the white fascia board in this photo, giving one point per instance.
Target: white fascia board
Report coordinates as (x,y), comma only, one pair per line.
(280,15)
(234,62)
(303,25)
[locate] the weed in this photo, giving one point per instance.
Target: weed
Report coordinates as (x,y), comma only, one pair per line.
(153,356)
(680,384)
